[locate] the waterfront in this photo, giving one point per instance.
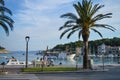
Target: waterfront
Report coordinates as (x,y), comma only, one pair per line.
(112,74)
(20,55)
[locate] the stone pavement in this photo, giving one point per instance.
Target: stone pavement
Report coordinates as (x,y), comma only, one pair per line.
(14,73)
(19,77)
(112,73)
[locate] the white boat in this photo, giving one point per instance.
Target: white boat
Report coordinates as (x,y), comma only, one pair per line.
(71,57)
(92,55)
(13,61)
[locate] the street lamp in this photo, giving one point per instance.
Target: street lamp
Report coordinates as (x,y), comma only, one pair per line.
(27,38)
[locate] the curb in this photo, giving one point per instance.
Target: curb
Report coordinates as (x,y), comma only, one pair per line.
(59,72)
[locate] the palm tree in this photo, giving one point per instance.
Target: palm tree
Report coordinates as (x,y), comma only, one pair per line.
(83,23)
(5,20)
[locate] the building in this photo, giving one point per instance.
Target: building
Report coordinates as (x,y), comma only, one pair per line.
(102,48)
(115,51)
(109,50)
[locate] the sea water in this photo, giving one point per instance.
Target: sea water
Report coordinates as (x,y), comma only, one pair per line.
(21,56)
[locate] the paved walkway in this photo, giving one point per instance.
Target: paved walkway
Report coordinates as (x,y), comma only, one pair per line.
(19,77)
(15,74)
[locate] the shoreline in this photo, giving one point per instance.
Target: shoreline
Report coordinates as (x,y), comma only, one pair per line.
(79,66)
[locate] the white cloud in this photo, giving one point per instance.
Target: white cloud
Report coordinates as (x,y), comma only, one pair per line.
(38,20)
(44,4)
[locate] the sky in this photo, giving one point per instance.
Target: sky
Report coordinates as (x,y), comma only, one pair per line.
(40,19)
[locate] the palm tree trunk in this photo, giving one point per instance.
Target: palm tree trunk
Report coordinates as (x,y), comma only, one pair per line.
(85,56)
(85,37)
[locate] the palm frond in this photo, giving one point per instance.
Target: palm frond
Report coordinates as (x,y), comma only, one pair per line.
(102,16)
(8,22)
(95,8)
(97,32)
(4,9)
(72,32)
(4,26)
(67,26)
(87,5)
(7,18)
(2,2)
(79,34)
(69,16)
(105,26)
(79,9)
(64,32)
(76,27)
(69,22)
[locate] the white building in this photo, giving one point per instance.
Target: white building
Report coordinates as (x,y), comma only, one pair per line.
(102,48)
(109,50)
(113,50)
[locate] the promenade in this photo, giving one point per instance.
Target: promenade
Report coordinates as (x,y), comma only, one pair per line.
(111,73)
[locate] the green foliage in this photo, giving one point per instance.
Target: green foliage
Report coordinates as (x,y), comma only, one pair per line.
(68,46)
(1,47)
(49,69)
(92,44)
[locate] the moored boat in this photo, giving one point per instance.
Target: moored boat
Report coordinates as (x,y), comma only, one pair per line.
(13,61)
(71,56)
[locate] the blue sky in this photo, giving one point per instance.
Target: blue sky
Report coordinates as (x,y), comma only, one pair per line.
(40,19)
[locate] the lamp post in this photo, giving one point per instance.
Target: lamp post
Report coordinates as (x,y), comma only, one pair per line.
(27,38)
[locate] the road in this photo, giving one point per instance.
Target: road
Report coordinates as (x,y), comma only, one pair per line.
(112,74)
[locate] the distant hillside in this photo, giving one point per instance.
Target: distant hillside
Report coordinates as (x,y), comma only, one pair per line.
(2,50)
(2,47)
(92,44)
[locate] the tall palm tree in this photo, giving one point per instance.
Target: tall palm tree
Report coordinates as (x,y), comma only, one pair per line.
(83,23)
(5,20)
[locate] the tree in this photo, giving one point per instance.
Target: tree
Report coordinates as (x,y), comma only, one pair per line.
(83,23)
(5,20)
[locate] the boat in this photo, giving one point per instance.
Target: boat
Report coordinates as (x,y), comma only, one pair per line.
(39,53)
(71,57)
(13,61)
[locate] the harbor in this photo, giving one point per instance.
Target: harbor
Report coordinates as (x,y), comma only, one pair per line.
(63,58)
